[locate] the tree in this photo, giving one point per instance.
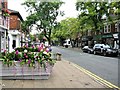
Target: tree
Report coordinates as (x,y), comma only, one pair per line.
(32,37)
(67,29)
(43,15)
(94,12)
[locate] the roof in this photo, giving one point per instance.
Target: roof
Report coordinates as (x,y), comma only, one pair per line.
(13,12)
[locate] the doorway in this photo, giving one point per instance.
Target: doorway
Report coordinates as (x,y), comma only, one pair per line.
(14,42)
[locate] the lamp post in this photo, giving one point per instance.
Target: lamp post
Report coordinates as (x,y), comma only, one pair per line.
(119,34)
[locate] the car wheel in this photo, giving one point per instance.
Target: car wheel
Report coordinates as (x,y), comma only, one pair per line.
(94,52)
(89,52)
(104,53)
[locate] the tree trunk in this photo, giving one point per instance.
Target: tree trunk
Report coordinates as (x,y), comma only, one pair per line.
(72,43)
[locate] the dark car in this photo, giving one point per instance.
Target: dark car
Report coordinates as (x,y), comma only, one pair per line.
(87,49)
(105,50)
(119,52)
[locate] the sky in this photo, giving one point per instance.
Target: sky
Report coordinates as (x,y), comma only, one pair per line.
(69,8)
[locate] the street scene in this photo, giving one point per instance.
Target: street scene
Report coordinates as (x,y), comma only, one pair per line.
(60,44)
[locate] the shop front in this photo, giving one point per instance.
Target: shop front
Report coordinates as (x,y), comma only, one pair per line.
(86,41)
(108,39)
(97,39)
(116,41)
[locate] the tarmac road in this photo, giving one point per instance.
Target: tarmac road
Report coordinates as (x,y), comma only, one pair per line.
(104,67)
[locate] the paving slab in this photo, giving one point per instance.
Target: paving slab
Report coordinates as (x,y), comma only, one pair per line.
(64,75)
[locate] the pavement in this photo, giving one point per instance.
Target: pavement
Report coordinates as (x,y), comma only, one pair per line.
(64,75)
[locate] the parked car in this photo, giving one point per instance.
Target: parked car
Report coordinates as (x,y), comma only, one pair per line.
(119,52)
(105,50)
(67,43)
(87,49)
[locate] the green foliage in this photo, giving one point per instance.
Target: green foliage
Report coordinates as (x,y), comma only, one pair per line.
(41,36)
(32,37)
(94,12)
(0,55)
(67,28)
(29,56)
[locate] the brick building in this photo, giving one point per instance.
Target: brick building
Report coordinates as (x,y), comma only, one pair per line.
(14,33)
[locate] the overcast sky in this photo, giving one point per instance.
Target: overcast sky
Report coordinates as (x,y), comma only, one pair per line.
(68,8)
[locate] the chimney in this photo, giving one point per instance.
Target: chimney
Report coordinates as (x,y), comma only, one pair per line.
(4,4)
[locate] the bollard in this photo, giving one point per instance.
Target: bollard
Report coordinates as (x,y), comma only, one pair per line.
(58,56)
(54,56)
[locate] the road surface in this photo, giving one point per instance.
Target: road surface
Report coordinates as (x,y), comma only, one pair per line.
(104,67)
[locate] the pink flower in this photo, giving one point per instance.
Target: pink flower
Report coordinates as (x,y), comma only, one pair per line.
(4,51)
(29,61)
(32,46)
(41,45)
(39,49)
(26,56)
(26,45)
(36,56)
(20,60)
(47,50)
(17,52)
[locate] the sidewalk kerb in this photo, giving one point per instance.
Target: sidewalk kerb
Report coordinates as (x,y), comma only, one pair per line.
(101,80)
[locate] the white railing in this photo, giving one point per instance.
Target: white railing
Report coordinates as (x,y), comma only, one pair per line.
(4,22)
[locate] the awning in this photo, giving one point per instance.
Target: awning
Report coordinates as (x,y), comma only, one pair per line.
(107,36)
(87,38)
(84,38)
(90,38)
(97,37)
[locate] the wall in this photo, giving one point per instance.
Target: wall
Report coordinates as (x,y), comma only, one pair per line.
(11,34)
(14,34)
(14,22)
(2,39)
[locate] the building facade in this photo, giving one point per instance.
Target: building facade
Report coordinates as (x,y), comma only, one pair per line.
(14,33)
(110,35)
(4,25)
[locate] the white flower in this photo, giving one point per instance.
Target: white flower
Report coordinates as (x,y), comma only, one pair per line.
(45,52)
(41,49)
(25,51)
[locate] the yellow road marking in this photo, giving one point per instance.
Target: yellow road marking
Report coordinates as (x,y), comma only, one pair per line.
(103,81)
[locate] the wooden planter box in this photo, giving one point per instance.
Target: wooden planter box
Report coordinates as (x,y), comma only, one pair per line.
(25,72)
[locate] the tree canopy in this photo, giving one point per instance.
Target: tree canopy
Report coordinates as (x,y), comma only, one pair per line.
(94,11)
(43,15)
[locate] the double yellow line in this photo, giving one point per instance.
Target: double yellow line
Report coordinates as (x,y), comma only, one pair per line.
(108,84)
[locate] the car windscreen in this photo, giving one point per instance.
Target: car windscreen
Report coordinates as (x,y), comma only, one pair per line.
(107,46)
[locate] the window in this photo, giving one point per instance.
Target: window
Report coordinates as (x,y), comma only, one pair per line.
(105,29)
(116,27)
(109,28)
(68,42)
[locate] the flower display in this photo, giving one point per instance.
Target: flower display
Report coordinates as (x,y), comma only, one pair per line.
(29,56)
(17,52)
